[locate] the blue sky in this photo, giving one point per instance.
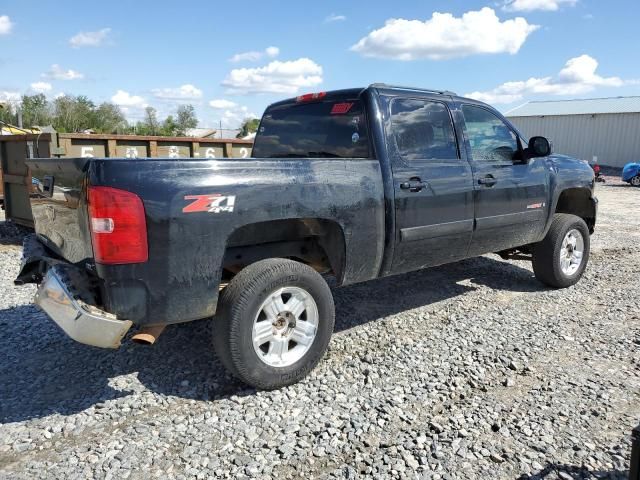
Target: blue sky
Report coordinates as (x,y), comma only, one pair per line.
(162,54)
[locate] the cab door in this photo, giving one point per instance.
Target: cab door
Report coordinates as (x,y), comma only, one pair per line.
(509,190)
(433,184)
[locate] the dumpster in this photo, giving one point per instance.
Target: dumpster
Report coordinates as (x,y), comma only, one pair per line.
(16,183)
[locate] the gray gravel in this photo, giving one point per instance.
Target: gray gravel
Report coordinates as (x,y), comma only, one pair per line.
(472,370)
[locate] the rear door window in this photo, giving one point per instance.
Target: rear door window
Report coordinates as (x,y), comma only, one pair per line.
(423,129)
(335,128)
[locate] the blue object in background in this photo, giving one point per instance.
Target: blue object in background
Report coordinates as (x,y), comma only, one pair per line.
(631,173)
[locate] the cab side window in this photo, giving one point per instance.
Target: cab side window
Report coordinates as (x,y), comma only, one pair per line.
(423,130)
(490,139)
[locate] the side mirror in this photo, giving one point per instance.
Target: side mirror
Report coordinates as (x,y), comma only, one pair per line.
(539,147)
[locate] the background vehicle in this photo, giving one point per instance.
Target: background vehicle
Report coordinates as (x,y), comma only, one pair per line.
(631,174)
(356,184)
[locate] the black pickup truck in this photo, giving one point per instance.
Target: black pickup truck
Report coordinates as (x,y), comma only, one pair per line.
(352,184)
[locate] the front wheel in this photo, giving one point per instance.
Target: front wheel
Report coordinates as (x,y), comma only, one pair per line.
(635,181)
(275,321)
(560,258)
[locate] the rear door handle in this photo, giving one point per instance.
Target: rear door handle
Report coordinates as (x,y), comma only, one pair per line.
(488,180)
(414,185)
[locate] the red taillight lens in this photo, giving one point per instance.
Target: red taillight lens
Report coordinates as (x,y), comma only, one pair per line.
(311,97)
(118,226)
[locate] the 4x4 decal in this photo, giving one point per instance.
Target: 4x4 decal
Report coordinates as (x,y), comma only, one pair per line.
(214,203)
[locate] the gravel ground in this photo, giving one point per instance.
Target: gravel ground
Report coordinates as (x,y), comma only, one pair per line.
(471,370)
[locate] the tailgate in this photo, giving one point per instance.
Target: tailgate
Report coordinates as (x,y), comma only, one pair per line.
(59,208)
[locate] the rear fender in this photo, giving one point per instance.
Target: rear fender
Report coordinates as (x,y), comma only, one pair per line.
(318,242)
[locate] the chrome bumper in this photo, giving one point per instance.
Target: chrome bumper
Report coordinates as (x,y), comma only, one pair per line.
(82,322)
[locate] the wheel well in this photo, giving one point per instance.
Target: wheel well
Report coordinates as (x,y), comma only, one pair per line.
(317,242)
(577,201)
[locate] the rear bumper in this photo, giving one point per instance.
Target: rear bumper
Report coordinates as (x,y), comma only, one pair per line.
(81,321)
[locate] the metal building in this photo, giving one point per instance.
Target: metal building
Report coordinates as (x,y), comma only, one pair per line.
(606,130)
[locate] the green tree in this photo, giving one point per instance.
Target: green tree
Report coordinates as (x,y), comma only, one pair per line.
(7,113)
(85,113)
(35,110)
(63,114)
(139,128)
(250,125)
(151,124)
(73,114)
(108,118)
(186,119)
(169,127)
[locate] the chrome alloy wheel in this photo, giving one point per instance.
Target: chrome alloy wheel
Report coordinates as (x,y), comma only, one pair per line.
(571,252)
(635,181)
(285,326)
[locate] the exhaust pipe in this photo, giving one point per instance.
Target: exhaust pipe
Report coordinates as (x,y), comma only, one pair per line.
(148,335)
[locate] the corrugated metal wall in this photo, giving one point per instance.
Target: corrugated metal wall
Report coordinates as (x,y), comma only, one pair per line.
(613,138)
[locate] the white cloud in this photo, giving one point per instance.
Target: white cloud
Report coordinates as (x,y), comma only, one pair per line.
(276,77)
(90,39)
(445,36)
(41,87)
(234,117)
(577,77)
(5,25)
(221,104)
(531,5)
(246,57)
(184,92)
(231,114)
(254,56)
(8,96)
(56,72)
(335,18)
(125,99)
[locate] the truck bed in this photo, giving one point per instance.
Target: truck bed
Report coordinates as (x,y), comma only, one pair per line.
(180,281)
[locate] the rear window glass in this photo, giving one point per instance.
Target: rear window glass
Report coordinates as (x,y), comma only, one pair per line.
(328,129)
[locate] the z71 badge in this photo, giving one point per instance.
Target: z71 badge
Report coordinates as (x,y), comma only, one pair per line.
(214,203)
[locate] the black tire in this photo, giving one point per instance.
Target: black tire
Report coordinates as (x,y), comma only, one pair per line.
(546,254)
(238,307)
(635,181)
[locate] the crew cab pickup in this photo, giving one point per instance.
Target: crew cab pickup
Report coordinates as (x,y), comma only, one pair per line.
(353,184)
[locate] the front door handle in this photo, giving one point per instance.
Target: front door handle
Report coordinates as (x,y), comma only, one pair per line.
(414,185)
(488,180)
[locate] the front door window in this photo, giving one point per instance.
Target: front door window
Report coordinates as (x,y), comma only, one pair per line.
(489,138)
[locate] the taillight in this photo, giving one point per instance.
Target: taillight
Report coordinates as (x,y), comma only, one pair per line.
(311,97)
(118,226)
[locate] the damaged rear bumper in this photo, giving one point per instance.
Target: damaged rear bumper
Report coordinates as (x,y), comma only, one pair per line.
(82,322)
(60,295)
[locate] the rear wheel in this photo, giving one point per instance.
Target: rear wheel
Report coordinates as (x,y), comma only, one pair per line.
(275,321)
(560,258)
(635,181)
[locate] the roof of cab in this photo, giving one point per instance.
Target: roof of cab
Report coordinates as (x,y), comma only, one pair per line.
(347,92)
(354,92)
